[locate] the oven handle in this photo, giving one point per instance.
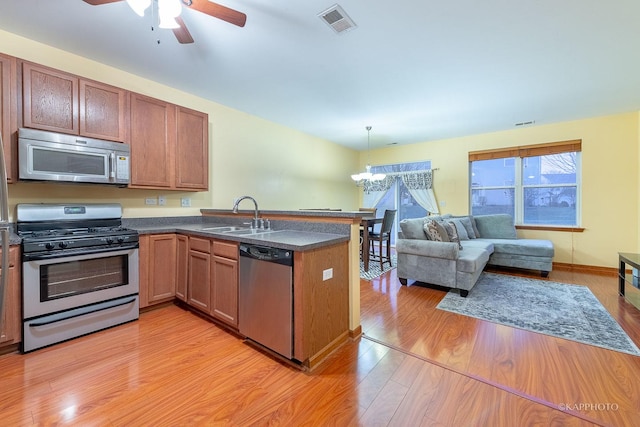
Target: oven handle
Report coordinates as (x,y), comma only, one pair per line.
(81,312)
(68,253)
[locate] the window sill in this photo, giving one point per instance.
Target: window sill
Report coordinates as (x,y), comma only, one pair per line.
(551,228)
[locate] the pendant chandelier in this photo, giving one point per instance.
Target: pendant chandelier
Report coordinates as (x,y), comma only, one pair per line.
(361,177)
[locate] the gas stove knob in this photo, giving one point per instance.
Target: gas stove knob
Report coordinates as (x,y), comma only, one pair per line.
(120,239)
(63,245)
(49,245)
(109,240)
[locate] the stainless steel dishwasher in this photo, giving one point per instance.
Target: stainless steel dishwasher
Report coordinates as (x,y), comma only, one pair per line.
(266,297)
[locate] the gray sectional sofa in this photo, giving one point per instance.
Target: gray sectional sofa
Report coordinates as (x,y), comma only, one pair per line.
(456,255)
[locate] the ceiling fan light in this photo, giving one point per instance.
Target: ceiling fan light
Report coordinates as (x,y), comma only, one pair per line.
(168,22)
(139,6)
(169,8)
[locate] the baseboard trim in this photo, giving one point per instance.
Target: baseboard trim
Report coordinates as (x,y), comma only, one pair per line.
(581,268)
(355,333)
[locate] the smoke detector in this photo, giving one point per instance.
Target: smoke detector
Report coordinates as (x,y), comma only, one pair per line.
(337,19)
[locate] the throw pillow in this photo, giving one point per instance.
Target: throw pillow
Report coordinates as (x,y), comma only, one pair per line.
(413,228)
(462,231)
(475,227)
(435,231)
(467,225)
(452,233)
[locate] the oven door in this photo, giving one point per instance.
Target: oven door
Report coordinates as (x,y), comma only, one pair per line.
(57,284)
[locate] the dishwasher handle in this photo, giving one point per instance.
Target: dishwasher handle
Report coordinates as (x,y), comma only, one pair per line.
(266,253)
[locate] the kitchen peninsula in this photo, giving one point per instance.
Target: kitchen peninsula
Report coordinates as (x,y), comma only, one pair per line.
(325,249)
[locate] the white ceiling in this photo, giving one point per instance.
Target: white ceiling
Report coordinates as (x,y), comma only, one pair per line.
(414,70)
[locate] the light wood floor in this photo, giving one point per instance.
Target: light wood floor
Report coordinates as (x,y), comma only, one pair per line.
(415,366)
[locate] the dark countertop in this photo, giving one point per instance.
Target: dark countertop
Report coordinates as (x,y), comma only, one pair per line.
(294,240)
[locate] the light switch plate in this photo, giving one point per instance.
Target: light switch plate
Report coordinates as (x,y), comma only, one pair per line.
(327,274)
(185,202)
(162,200)
(150,201)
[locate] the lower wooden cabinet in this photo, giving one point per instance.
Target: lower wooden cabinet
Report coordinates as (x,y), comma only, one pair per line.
(224,283)
(157,271)
(11,332)
(204,273)
(199,283)
(182,266)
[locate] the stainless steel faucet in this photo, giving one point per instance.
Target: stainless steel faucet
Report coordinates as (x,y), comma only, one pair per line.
(255,223)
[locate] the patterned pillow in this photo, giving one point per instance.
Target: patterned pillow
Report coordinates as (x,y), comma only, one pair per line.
(462,231)
(452,233)
(435,231)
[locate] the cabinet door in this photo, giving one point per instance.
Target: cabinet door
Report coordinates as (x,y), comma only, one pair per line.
(162,268)
(182,266)
(199,287)
(152,142)
(11,331)
(49,99)
(192,142)
(103,111)
(8,105)
(224,301)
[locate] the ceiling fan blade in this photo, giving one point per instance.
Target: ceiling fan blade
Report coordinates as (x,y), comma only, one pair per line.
(218,11)
(182,33)
(99,2)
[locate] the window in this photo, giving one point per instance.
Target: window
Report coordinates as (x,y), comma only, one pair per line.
(398,196)
(537,185)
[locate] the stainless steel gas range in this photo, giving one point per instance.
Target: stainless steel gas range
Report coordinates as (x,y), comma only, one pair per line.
(79,271)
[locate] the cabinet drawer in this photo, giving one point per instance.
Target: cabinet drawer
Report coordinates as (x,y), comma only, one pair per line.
(200,245)
(225,249)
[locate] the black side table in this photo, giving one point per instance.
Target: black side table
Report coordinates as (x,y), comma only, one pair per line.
(631,260)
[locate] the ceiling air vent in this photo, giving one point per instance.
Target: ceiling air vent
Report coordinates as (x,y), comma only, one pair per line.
(336,18)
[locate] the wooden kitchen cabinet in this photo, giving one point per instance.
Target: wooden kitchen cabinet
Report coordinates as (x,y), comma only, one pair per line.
(182,266)
(8,107)
(157,268)
(152,142)
(11,332)
(169,146)
(199,283)
(192,149)
(56,101)
(224,284)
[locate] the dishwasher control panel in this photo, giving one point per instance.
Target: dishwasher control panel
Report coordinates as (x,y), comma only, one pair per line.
(265,253)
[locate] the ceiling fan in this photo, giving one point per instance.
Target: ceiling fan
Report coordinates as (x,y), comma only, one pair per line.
(169,13)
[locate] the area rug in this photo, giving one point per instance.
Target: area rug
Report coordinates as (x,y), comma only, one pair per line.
(565,311)
(374,268)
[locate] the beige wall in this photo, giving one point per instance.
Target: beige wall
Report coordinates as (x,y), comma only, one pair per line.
(282,168)
(610,181)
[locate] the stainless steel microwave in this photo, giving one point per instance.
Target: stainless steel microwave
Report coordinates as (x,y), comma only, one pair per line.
(49,156)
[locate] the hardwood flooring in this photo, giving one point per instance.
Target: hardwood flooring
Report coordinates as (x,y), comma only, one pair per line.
(416,366)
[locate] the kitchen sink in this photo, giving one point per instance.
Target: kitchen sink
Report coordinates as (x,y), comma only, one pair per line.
(247,231)
(226,229)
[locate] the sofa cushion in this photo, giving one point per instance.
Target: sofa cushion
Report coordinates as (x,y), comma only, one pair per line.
(466,222)
(462,231)
(436,231)
(497,226)
(413,228)
(529,247)
(472,259)
(452,232)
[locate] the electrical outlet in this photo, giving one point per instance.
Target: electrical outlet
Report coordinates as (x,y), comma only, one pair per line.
(150,201)
(185,202)
(162,200)
(327,274)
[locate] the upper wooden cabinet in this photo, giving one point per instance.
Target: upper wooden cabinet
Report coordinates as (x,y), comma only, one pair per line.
(8,107)
(61,102)
(192,149)
(169,146)
(152,142)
